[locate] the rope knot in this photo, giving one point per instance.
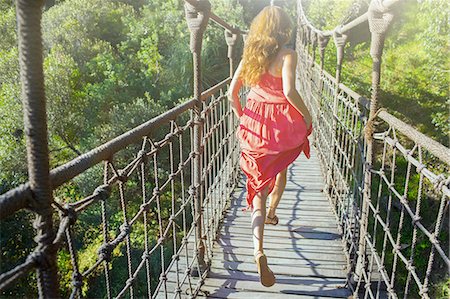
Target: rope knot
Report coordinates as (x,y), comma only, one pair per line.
(70,212)
(104,252)
(416,219)
(40,258)
(122,176)
(103,192)
(145,207)
(125,229)
(130,281)
(145,255)
(142,156)
(77,280)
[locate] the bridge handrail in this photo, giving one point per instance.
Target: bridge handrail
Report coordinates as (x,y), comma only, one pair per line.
(437,149)
(377,167)
(18,198)
(344,28)
(209,170)
(216,19)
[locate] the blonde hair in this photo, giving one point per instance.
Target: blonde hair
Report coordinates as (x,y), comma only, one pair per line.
(269,31)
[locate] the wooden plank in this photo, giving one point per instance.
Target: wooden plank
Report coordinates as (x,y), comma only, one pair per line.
(285,224)
(304,257)
(230,288)
(282,244)
(304,250)
(295,269)
(305,286)
(281,259)
(303,232)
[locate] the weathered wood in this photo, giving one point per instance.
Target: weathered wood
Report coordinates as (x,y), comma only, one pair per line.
(304,250)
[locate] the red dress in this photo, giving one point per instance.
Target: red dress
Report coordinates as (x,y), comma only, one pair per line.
(272,134)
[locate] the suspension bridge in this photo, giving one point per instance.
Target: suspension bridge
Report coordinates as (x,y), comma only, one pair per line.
(347,226)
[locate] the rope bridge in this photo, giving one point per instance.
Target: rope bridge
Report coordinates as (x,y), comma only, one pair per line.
(179,170)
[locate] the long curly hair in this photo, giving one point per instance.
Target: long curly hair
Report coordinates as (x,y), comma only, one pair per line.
(269,31)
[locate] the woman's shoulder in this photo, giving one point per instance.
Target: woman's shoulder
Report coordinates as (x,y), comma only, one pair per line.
(287,52)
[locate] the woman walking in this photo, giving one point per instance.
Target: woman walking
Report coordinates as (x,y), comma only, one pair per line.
(274,124)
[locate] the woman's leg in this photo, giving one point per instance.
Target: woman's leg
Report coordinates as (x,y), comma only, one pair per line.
(258,218)
(266,276)
(277,192)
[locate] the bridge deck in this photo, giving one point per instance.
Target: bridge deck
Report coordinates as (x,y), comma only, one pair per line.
(304,250)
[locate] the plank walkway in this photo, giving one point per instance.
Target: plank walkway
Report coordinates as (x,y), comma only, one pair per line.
(304,250)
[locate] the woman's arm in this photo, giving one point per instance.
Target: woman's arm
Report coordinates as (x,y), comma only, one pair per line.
(289,90)
(233,92)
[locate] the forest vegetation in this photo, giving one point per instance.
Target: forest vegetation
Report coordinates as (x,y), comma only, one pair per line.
(111,65)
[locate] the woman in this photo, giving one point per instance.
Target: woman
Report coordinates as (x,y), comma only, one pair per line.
(274,124)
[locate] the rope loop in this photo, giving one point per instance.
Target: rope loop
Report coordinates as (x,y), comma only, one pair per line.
(379,18)
(323,41)
(197,19)
(231,40)
(441,182)
(339,39)
(37,206)
(313,38)
(370,126)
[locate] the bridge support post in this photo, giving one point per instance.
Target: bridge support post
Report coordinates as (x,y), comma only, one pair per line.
(35,118)
(197,18)
(323,42)
(231,39)
(379,18)
(340,41)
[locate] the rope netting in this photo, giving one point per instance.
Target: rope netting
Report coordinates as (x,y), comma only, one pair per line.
(167,182)
(387,182)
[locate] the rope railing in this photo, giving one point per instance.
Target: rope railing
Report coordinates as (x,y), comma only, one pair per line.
(344,28)
(167,181)
(158,191)
(388,183)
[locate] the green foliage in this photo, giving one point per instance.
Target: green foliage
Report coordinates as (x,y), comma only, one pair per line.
(109,66)
(414,79)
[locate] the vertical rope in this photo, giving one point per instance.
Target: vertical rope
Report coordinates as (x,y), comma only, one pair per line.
(197,19)
(35,120)
(379,21)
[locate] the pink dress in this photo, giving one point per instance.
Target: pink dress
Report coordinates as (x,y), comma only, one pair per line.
(272,134)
